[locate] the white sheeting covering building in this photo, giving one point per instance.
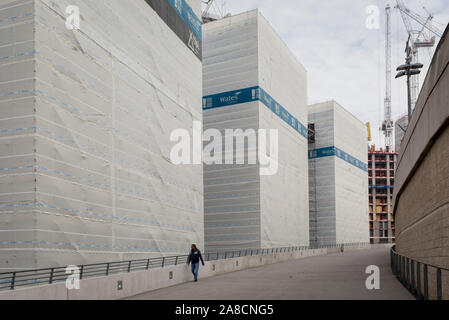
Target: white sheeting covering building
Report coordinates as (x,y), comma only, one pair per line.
(338,177)
(252,81)
(85,123)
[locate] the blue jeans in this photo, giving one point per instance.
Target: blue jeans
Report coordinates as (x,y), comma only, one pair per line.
(195,269)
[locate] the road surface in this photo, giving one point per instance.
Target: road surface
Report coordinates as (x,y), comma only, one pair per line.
(332,277)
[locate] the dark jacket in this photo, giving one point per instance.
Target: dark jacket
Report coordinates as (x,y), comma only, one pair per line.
(195,256)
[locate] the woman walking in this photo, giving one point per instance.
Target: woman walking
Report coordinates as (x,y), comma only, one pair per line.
(194,258)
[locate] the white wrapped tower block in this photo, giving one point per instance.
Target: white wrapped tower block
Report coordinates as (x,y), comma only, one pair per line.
(252,81)
(338,177)
(85,123)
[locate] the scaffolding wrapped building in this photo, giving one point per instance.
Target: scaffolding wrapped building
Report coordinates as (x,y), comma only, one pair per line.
(85,120)
(338,176)
(252,81)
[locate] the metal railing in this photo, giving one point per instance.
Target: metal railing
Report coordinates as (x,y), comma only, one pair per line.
(423,280)
(18,279)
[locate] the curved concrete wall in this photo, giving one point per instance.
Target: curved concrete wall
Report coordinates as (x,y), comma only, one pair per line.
(421,199)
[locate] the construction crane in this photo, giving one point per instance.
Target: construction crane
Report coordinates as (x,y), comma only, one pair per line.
(214,10)
(387,125)
(208,4)
(422,37)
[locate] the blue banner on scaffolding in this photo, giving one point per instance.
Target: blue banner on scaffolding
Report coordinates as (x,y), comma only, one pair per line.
(181,19)
(189,17)
(250,95)
(336,152)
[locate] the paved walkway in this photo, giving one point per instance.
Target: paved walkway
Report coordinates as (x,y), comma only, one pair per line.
(335,276)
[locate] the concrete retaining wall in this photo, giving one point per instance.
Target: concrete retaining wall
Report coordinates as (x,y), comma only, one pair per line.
(421,199)
(134,283)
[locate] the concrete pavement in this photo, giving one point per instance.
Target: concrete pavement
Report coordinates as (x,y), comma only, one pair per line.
(336,276)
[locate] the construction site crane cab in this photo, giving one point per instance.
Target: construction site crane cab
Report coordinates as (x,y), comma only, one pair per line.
(425,43)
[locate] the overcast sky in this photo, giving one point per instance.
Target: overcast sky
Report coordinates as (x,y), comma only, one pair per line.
(345,60)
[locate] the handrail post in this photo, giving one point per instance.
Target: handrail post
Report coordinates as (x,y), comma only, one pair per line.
(176,262)
(163,262)
(52,270)
(13,280)
(81,272)
(391,261)
(107,269)
(408,272)
(398,265)
(129,266)
(148,263)
(418,279)
(439,285)
(395,264)
(426,282)
(396,257)
(403,270)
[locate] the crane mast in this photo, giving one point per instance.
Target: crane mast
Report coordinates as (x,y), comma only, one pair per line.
(387,126)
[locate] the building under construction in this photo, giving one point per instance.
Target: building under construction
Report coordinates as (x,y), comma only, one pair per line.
(86,113)
(381,170)
(338,185)
(252,81)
